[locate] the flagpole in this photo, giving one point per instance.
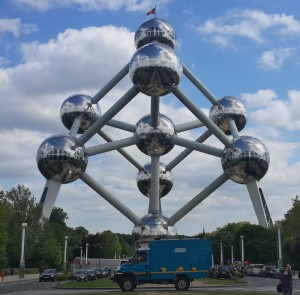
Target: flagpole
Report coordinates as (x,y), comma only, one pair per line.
(155,10)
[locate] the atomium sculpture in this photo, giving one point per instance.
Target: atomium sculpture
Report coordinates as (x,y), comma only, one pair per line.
(155,71)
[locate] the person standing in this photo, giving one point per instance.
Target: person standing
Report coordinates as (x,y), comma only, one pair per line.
(286,280)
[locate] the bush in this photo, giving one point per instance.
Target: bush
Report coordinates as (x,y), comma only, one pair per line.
(72,277)
(61,277)
(240,274)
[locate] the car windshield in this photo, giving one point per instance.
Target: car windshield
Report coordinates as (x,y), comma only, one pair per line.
(49,271)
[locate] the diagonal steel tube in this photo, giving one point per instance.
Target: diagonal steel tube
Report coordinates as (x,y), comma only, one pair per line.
(123,101)
(98,188)
(198,199)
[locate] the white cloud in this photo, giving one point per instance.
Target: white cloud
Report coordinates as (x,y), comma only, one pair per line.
(89,5)
(260,98)
(274,59)
(15,27)
(250,24)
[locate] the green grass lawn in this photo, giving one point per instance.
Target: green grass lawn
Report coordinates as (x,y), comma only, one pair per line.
(106,283)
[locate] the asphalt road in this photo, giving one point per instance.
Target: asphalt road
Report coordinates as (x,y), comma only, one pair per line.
(33,287)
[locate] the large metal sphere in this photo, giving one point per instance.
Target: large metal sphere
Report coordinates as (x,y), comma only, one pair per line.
(229,108)
(246,159)
(58,158)
(165,180)
(155,29)
(153,226)
(155,141)
(155,69)
(79,105)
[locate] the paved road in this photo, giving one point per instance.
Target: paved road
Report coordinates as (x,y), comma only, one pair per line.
(33,287)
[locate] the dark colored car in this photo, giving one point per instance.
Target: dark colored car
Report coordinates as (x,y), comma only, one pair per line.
(265,272)
(91,275)
(98,273)
(81,275)
(221,272)
(211,272)
(48,275)
(275,273)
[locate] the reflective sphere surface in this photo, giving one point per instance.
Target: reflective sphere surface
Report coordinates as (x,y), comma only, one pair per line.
(165,180)
(79,105)
(155,29)
(57,158)
(155,69)
(229,107)
(246,159)
(154,226)
(155,141)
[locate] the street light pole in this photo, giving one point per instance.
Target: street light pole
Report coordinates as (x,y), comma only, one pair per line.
(22,260)
(65,254)
(80,257)
(221,254)
(231,254)
(86,254)
(242,246)
(279,244)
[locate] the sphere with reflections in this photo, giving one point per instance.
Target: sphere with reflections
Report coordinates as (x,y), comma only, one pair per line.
(58,158)
(79,105)
(155,69)
(246,159)
(153,226)
(155,141)
(229,108)
(165,180)
(155,29)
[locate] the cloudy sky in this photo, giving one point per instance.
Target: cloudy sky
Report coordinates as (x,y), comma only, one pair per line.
(50,50)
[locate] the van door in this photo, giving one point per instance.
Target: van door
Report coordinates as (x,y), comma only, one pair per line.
(140,265)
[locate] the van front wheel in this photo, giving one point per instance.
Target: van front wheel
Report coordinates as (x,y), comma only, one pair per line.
(182,284)
(127,284)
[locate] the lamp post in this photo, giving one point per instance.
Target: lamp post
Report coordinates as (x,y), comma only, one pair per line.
(221,254)
(231,254)
(65,254)
(278,225)
(242,247)
(80,257)
(22,260)
(86,254)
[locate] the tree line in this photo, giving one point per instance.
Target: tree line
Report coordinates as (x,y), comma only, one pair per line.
(45,240)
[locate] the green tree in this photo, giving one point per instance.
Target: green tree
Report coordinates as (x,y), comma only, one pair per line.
(110,244)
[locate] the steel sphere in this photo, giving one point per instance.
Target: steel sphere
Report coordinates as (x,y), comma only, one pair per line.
(153,226)
(155,69)
(229,108)
(246,159)
(166,180)
(155,141)
(58,158)
(155,29)
(79,105)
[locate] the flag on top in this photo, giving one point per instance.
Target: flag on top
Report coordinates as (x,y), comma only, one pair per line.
(152,11)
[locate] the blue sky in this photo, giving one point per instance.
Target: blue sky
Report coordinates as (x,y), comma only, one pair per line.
(249,49)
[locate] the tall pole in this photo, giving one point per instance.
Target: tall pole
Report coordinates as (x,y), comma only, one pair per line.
(80,257)
(65,254)
(242,246)
(86,254)
(231,254)
(221,254)
(279,244)
(22,260)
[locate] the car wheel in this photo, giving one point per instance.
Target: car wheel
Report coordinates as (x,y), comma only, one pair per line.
(127,284)
(182,284)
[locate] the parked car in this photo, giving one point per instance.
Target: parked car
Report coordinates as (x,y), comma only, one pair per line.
(98,272)
(221,272)
(265,271)
(105,271)
(91,275)
(275,273)
(255,269)
(211,272)
(81,275)
(48,275)
(112,274)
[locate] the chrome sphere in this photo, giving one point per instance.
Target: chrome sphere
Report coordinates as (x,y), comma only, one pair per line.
(155,29)
(155,69)
(246,159)
(155,141)
(58,158)
(79,105)
(229,107)
(165,180)
(153,226)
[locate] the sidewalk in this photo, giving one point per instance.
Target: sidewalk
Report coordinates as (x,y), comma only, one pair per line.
(15,278)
